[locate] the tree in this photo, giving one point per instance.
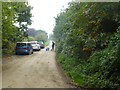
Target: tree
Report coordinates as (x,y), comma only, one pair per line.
(39,35)
(30,38)
(51,37)
(87,41)
(15,19)
(31,32)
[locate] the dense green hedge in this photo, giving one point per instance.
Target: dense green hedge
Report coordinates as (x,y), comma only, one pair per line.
(88,43)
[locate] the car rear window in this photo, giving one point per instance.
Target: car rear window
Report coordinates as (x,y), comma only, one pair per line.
(29,44)
(21,44)
(33,43)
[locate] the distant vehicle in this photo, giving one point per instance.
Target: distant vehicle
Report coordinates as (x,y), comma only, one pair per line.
(41,45)
(23,48)
(35,45)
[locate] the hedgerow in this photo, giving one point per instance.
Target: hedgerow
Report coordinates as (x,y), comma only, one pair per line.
(88,43)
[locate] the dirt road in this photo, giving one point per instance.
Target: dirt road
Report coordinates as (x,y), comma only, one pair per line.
(38,70)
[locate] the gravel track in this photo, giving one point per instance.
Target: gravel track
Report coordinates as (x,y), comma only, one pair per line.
(38,70)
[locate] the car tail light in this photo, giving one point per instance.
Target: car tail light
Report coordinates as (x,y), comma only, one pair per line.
(26,48)
(16,47)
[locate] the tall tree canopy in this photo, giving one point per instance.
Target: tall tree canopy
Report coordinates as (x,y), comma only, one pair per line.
(39,35)
(15,19)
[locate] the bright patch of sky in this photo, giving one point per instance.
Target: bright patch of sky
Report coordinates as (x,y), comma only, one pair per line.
(44,12)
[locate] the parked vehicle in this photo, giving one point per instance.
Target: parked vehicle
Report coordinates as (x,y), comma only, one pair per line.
(35,45)
(23,48)
(41,45)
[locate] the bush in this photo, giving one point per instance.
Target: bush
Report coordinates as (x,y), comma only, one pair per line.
(9,48)
(101,70)
(88,43)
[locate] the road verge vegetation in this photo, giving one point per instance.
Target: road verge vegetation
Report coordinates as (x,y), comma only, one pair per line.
(87,39)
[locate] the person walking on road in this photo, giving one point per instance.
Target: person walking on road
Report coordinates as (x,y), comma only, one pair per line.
(53,45)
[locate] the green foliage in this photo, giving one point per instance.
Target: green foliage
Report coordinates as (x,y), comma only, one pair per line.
(69,65)
(31,32)
(102,68)
(51,37)
(39,35)
(87,39)
(31,38)
(46,43)
(15,19)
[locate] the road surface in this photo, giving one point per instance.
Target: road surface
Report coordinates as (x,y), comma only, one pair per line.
(38,70)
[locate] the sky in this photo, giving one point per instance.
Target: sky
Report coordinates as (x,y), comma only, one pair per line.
(44,12)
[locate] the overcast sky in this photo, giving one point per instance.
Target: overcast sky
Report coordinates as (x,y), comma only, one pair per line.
(44,12)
